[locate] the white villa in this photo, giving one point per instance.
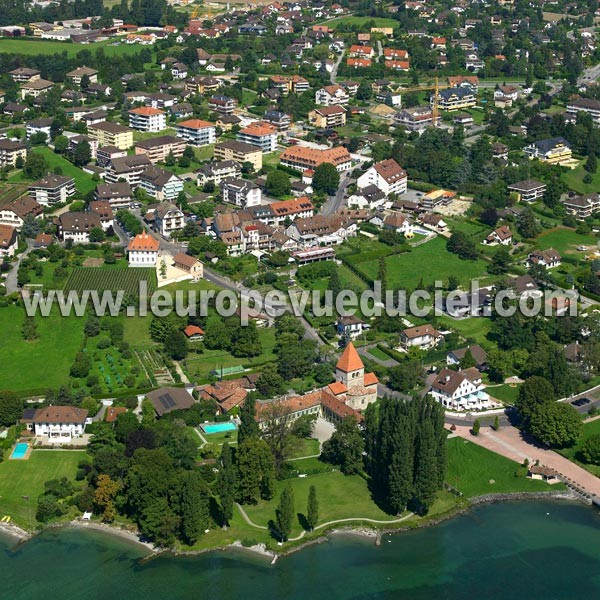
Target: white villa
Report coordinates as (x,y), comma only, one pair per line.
(143,251)
(59,423)
(460,390)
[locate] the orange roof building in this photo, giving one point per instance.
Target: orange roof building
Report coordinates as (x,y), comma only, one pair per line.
(302,158)
(142,251)
(350,360)
(352,385)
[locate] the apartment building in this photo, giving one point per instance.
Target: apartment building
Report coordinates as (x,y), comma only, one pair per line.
(218,171)
(76,226)
(196,132)
(302,158)
(457,98)
(416,118)
(387,175)
(239,152)
(35,88)
(528,190)
(111,134)
(118,195)
(146,118)
(240,192)
(590,106)
(160,184)
(11,151)
(328,117)
(78,74)
(157,149)
(52,189)
(222,104)
(331,95)
(553,150)
(260,134)
(128,169)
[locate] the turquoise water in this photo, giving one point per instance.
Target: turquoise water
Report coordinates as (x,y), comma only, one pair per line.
(219,427)
(513,551)
(20,451)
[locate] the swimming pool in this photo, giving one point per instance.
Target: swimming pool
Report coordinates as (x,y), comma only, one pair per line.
(218,427)
(20,450)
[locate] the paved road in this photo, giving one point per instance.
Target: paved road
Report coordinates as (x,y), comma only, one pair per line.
(10,283)
(334,203)
(336,66)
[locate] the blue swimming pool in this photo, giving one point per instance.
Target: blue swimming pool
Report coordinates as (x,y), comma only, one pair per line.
(20,450)
(218,427)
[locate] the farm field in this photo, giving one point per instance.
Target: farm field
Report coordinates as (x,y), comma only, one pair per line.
(32,46)
(20,478)
(83,181)
(128,280)
(471,469)
(428,263)
(345,22)
(564,240)
(33,367)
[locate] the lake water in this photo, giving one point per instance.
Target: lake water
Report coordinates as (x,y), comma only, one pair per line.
(547,550)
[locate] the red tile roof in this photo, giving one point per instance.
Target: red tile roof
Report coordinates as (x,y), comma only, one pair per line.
(350,360)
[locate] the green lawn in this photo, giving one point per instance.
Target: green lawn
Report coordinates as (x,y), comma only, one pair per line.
(31,46)
(304,447)
(83,181)
(344,22)
(137,331)
(199,366)
(474,328)
(429,262)
(589,429)
(339,497)
(36,366)
(471,468)
(377,353)
(20,478)
(564,240)
(574,180)
(505,393)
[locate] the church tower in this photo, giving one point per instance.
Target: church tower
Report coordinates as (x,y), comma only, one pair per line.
(350,369)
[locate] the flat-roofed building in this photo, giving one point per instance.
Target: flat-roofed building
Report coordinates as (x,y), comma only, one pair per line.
(157,149)
(52,189)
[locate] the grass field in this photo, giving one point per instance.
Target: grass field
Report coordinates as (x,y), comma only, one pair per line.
(471,468)
(20,478)
(589,429)
(44,362)
(574,180)
(31,46)
(377,353)
(83,181)
(429,262)
(128,280)
(474,328)
(564,240)
(506,393)
(339,497)
(199,366)
(345,22)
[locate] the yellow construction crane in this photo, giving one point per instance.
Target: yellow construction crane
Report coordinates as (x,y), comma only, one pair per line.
(195,12)
(436,88)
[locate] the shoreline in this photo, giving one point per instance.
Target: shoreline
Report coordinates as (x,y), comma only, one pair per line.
(260,550)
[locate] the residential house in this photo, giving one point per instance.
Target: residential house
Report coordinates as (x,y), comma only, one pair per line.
(416,118)
(118,195)
(111,134)
(359,51)
(528,190)
(455,357)
(52,189)
(260,134)
(398,224)
(146,118)
(8,241)
(277,213)
(350,327)
(39,126)
(327,117)
(239,152)
(61,424)
(422,337)
(240,192)
(359,63)
(159,148)
(434,222)
(160,184)
(14,213)
(370,197)
(321,230)
(387,175)
(167,399)
(142,251)
(553,150)
(24,75)
(302,158)
(167,218)
(548,259)
(500,235)
(104,210)
(77,226)
(499,151)
(460,390)
(227,122)
(280,120)
(192,332)
(196,132)
(331,95)
(287,84)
